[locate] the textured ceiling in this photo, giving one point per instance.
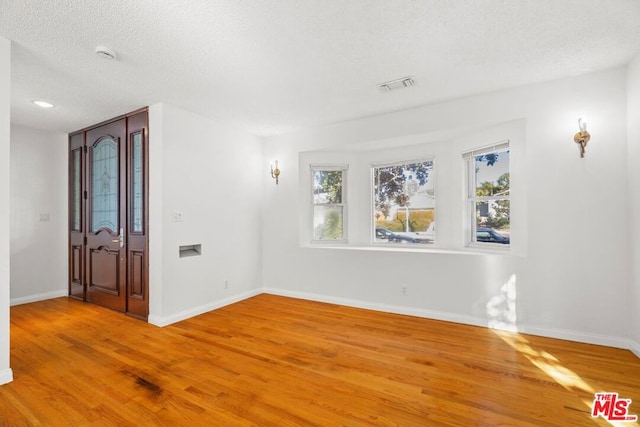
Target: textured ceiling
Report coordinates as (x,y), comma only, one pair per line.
(272,66)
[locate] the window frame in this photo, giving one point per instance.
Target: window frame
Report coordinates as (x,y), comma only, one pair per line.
(471,198)
(432,178)
(343,168)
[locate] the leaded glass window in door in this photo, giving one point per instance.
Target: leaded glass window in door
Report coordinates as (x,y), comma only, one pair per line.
(104,185)
(137,190)
(77,190)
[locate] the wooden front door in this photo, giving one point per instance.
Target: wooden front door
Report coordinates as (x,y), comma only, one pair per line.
(108,261)
(106,215)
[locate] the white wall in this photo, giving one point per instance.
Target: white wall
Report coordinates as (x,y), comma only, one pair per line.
(210,173)
(39,246)
(6,374)
(572,277)
(572,270)
(213,175)
(453,226)
(633,117)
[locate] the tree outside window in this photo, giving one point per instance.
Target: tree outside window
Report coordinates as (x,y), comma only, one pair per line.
(328,203)
(489,195)
(404,202)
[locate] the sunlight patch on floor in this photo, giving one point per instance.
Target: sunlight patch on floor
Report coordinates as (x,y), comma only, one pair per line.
(546,362)
(502,319)
(551,366)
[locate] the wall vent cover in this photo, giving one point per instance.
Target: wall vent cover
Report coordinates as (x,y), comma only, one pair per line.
(396,84)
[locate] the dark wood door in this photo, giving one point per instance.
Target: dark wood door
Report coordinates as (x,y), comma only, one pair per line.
(106,215)
(137,215)
(76,216)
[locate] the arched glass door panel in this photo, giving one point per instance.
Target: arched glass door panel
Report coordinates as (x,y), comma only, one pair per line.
(104,186)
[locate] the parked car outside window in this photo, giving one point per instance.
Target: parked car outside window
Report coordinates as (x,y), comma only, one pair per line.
(388,235)
(399,237)
(489,235)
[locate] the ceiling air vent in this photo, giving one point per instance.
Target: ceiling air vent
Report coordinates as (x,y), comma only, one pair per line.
(396,84)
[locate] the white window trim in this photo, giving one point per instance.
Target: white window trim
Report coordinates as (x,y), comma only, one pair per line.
(470,201)
(500,146)
(344,168)
(373,166)
(421,159)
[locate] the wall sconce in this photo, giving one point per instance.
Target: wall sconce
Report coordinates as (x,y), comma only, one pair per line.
(583,136)
(275,173)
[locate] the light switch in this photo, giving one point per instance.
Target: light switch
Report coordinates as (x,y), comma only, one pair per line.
(177,216)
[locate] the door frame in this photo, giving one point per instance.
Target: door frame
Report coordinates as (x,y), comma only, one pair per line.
(136,247)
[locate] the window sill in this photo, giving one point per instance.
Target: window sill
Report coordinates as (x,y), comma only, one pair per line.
(410,248)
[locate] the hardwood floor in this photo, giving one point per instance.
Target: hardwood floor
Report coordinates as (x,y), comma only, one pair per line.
(275,361)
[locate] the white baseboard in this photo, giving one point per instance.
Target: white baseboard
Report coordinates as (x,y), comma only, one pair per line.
(39,297)
(409,311)
(635,348)
(162,321)
(568,335)
(6,376)
(578,336)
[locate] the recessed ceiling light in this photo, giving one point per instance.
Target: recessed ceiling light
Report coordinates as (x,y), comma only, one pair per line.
(396,84)
(105,52)
(43,104)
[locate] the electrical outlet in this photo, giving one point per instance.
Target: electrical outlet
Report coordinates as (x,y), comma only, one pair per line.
(44,217)
(404,290)
(177,216)
(226,284)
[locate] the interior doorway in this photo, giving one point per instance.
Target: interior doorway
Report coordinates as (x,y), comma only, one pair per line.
(108,214)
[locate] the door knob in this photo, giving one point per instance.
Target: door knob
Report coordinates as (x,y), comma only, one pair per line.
(120,238)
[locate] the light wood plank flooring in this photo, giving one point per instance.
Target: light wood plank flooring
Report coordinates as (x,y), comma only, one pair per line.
(275,361)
